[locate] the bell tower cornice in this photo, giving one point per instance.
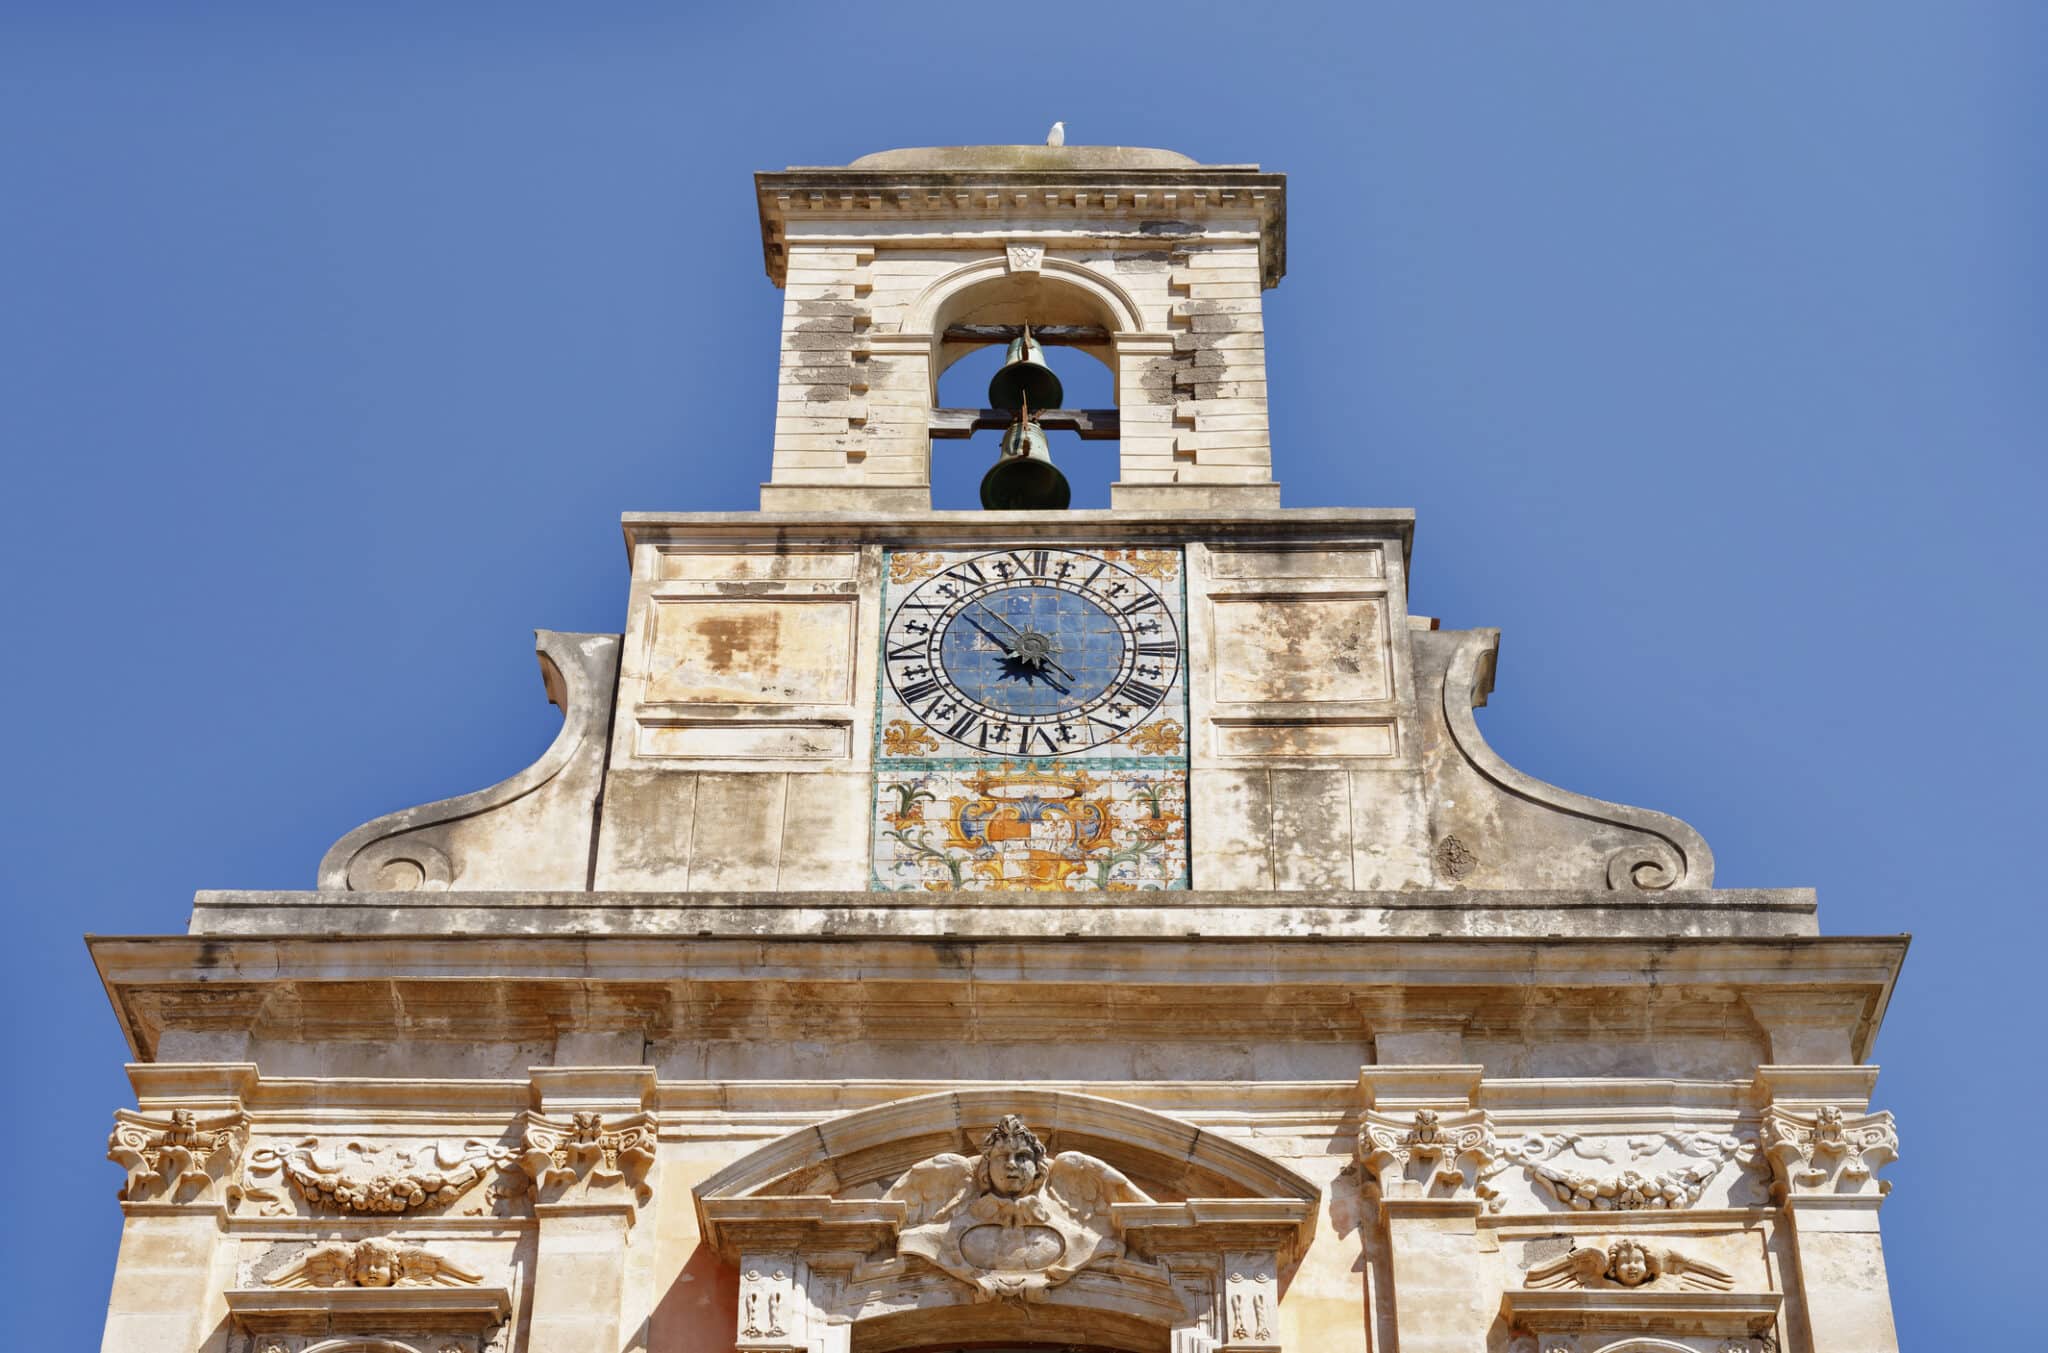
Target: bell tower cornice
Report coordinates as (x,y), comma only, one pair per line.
(1016,192)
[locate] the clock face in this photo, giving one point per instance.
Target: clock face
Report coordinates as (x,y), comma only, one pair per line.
(1032,652)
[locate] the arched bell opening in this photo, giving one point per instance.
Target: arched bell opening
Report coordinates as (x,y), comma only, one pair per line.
(1087,459)
(974,317)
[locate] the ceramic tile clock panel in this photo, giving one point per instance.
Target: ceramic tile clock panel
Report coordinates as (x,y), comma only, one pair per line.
(1032,721)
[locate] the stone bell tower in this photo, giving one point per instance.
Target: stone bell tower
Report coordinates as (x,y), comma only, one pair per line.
(897,265)
(1032,929)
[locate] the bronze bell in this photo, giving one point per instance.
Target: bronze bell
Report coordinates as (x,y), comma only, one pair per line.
(1025,379)
(1024,477)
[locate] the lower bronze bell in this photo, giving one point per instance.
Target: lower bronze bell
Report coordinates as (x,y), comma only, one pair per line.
(1024,479)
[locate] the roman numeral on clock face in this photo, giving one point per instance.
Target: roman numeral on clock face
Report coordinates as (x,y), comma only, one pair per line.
(919,690)
(1144,692)
(915,649)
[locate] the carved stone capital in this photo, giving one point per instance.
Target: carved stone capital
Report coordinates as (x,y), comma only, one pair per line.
(588,1161)
(177,1158)
(1828,1152)
(1431,1154)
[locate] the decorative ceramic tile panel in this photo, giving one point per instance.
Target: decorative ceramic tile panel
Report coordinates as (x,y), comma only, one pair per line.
(1032,721)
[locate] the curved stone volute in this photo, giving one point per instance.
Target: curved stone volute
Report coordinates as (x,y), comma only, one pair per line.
(530,831)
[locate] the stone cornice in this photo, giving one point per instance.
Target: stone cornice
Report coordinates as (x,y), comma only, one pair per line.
(1728,913)
(1151,986)
(1131,200)
(937,530)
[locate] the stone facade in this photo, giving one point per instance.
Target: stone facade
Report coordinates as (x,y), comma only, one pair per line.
(911,942)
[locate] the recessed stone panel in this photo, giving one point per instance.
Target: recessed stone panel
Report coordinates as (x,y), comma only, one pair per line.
(1301,737)
(740,566)
(780,651)
(1301,648)
(1367,562)
(743,739)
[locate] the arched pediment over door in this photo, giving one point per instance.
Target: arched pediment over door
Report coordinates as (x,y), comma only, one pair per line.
(995,1214)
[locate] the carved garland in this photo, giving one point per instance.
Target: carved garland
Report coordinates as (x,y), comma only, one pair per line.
(1630,1190)
(353,1177)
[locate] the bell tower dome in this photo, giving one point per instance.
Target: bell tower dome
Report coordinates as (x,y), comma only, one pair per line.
(899,264)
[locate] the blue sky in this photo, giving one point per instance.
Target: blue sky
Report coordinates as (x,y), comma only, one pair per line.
(1707,341)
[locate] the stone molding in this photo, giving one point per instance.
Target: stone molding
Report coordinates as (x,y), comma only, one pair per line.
(218,985)
(1640,1311)
(406,1312)
(916,333)
(870,204)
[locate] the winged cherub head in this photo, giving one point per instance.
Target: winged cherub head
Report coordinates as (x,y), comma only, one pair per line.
(1628,1263)
(1012,1158)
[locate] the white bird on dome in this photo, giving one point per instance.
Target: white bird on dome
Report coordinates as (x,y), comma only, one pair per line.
(1058,135)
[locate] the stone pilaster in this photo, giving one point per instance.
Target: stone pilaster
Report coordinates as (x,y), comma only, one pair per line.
(182,1150)
(1825,1149)
(589,1145)
(1428,1148)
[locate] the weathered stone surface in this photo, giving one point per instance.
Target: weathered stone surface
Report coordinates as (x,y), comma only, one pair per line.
(632,1052)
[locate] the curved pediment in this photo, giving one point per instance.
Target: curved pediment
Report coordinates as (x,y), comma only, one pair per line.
(905,1220)
(1168,1157)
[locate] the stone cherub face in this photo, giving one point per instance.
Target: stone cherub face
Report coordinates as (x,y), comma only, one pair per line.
(1013,1157)
(1628,1264)
(376,1264)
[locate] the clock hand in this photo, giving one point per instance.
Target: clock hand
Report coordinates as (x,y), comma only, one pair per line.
(994,638)
(1044,659)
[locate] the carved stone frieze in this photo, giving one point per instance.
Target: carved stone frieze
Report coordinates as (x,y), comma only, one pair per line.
(179,1158)
(1012,1221)
(1428,1155)
(586,1160)
(1628,1263)
(375,1262)
(1828,1151)
(1628,1189)
(354,1177)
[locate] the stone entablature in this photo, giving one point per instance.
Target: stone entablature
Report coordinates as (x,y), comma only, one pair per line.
(1196,1215)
